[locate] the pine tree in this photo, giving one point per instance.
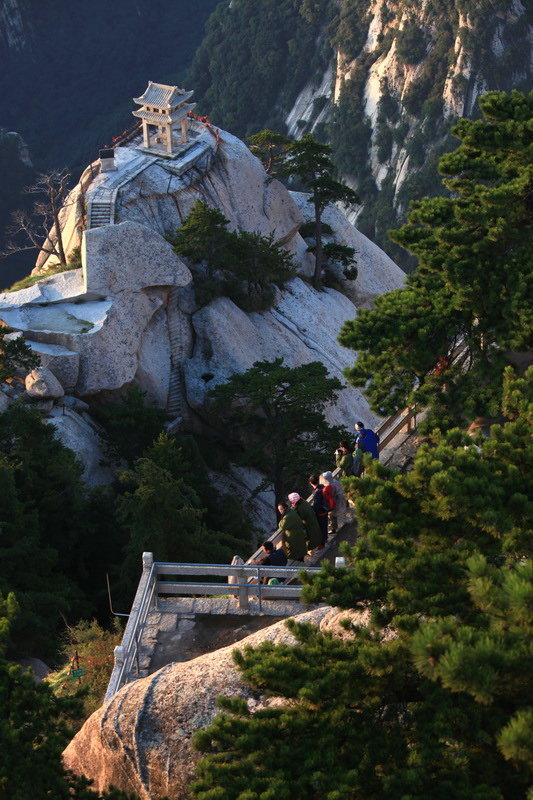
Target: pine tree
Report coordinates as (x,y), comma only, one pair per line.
(163,513)
(443,340)
(203,237)
(432,697)
(33,733)
(15,354)
(271,148)
(311,162)
(276,416)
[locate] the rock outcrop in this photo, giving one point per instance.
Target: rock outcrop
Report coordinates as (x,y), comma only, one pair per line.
(129,315)
(129,257)
(76,430)
(302,326)
(42,384)
(140,741)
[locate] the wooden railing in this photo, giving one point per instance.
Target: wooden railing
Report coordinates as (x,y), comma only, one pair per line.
(154,584)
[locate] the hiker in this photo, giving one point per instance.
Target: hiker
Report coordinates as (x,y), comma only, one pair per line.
(308,517)
(320,506)
(335,500)
(272,557)
(344,459)
(292,533)
(357,456)
(366,439)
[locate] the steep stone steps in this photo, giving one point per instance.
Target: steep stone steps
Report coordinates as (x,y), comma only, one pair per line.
(100,214)
(177,355)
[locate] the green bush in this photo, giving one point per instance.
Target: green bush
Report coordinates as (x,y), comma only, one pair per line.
(411,44)
(93,646)
(241,265)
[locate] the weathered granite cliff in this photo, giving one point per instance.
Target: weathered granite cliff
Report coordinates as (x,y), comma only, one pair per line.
(381,81)
(129,314)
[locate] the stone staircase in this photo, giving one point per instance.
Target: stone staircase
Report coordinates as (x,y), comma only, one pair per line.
(177,355)
(100,214)
(101,204)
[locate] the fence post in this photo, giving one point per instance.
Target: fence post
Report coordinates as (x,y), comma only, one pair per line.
(243,590)
(118,654)
(148,560)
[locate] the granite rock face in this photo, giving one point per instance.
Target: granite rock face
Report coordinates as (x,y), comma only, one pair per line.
(153,360)
(43,385)
(302,326)
(236,183)
(49,290)
(140,741)
(377,272)
(129,257)
(81,436)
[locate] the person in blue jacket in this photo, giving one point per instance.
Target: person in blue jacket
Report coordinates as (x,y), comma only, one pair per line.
(366,440)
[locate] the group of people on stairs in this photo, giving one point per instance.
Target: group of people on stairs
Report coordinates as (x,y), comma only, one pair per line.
(305,524)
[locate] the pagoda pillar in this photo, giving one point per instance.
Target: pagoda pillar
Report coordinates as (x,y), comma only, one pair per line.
(184,130)
(146,134)
(168,129)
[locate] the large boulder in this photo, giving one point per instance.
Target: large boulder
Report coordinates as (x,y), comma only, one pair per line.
(43,384)
(63,363)
(81,435)
(49,289)
(108,348)
(129,257)
(140,741)
(302,326)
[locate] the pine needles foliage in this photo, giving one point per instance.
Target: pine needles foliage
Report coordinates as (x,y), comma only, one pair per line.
(425,689)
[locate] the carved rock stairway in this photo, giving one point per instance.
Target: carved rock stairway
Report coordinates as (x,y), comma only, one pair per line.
(101,204)
(100,214)
(177,355)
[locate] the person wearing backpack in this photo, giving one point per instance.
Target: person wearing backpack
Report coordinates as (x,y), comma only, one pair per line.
(335,500)
(344,459)
(366,439)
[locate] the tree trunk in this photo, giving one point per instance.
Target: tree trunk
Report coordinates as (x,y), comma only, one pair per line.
(57,228)
(319,251)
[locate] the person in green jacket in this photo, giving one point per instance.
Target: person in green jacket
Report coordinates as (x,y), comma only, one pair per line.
(292,533)
(344,459)
(308,517)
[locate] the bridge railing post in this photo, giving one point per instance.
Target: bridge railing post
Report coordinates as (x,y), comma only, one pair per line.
(243,590)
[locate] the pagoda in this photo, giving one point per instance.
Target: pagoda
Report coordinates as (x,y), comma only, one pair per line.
(163,107)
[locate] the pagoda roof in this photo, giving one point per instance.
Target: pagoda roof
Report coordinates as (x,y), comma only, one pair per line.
(161,96)
(155,118)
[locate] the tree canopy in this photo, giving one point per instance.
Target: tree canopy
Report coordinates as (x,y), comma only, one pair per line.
(426,693)
(275,414)
(443,339)
(242,265)
(310,161)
